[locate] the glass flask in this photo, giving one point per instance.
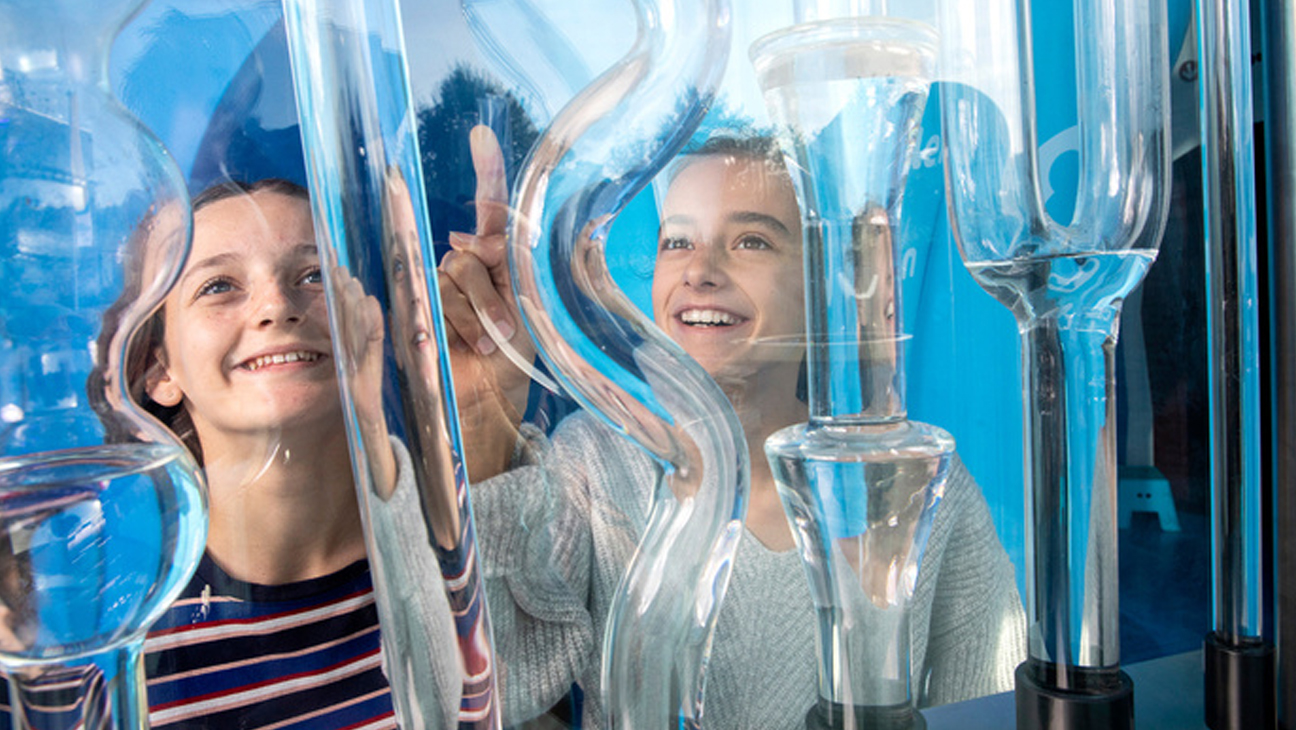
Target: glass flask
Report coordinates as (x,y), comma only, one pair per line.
(859,481)
(102,510)
(363,163)
(1065,286)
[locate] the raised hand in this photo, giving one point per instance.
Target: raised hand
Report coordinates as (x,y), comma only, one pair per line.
(476,298)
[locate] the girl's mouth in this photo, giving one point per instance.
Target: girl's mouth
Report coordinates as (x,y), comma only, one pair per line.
(709,318)
(281,358)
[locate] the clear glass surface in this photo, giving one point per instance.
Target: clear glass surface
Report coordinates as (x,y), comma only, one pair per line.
(1064,284)
(1233,322)
(861,501)
(102,511)
(859,482)
(846,97)
(367,182)
(600,149)
(529,50)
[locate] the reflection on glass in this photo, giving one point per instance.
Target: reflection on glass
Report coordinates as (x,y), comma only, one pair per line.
(1065,286)
(442,488)
(530,52)
(362,160)
(860,482)
(101,510)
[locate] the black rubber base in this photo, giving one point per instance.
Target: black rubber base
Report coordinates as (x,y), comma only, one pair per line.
(1240,685)
(827,715)
(1094,699)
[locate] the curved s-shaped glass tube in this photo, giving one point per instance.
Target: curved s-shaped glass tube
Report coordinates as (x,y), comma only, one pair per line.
(601,149)
(548,72)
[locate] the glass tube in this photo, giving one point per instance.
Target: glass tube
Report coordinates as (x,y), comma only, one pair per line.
(1233,319)
(1278,21)
(1064,284)
(860,482)
(363,163)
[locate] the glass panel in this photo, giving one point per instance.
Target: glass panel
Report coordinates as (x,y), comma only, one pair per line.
(613,410)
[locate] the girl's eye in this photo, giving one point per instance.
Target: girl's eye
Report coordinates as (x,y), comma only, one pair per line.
(675,244)
(753,243)
(215,285)
(312,276)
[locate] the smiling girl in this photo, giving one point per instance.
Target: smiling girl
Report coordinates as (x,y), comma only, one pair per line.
(278,625)
(728,287)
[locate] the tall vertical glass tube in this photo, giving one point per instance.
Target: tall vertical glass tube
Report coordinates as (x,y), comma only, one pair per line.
(102,510)
(601,149)
(362,158)
(1238,656)
(1065,286)
(860,482)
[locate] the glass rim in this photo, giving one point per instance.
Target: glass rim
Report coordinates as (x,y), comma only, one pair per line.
(848,29)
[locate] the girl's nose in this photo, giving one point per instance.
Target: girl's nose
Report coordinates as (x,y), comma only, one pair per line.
(706,267)
(276,304)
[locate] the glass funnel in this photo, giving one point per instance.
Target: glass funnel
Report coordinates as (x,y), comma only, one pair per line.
(101,508)
(860,482)
(1065,286)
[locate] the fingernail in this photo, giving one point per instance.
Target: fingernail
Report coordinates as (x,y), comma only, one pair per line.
(486,345)
(505,328)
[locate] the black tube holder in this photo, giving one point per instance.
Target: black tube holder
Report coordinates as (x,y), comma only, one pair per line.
(1240,684)
(826,715)
(1094,699)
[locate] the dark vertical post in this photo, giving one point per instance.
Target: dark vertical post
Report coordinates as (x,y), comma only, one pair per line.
(1278,21)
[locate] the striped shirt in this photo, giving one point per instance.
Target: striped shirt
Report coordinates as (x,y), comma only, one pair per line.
(229,654)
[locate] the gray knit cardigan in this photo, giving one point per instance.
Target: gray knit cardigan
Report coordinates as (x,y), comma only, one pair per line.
(556,534)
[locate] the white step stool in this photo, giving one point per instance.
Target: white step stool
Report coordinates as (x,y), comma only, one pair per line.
(1144,489)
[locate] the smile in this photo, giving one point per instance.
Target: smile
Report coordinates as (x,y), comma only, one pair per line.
(709,318)
(282,358)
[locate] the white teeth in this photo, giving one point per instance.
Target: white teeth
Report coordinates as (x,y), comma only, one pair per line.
(709,317)
(281,358)
(420,338)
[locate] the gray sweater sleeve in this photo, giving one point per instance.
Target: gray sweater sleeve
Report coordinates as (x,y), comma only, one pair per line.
(967,601)
(420,650)
(536,551)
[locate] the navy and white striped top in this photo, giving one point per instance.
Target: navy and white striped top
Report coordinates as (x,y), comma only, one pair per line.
(229,654)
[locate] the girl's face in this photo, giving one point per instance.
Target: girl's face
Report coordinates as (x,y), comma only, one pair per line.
(410,313)
(727,284)
(247,347)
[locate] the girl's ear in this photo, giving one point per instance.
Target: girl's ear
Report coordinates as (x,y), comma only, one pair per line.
(160,387)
